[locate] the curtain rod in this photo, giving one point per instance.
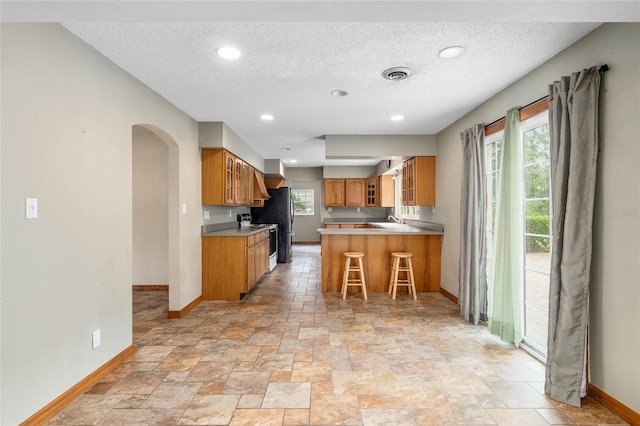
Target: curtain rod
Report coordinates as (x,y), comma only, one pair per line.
(603,68)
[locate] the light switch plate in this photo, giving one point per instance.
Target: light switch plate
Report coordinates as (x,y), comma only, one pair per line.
(31,208)
(95,339)
(184,208)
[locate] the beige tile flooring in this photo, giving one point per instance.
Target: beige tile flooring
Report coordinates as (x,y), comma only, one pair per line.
(289,355)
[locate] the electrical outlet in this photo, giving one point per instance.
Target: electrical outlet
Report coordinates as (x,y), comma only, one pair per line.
(230,213)
(206,214)
(95,339)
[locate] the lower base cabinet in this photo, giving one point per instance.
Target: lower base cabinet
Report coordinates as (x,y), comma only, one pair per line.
(232,265)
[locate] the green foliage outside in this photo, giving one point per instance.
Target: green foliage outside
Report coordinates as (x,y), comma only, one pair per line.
(298,205)
(536,152)
(538,225)
(536,182)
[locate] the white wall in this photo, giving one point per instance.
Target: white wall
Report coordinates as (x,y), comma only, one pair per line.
(150,209)
(216,134)
(67,117)
(355,172)
(615,293)
(379,146)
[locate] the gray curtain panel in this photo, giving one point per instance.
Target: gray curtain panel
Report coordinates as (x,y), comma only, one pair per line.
(573,127)
(473,246)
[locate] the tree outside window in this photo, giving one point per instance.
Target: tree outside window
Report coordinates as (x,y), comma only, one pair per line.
(303,201)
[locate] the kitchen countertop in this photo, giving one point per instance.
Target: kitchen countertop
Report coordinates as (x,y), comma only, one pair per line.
(238,231)
(380,228)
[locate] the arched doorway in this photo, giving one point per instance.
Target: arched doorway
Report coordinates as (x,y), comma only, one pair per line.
(155,215)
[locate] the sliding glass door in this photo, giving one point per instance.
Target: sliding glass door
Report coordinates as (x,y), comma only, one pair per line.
(537,232)
(537,227)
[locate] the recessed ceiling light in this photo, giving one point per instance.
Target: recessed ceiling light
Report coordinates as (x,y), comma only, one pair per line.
(285,149)
(293,161)
(451,52)
(339,92)
(397,117)
(266,117)
(228,52)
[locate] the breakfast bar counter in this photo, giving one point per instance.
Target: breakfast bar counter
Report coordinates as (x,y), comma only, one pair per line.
(377,242)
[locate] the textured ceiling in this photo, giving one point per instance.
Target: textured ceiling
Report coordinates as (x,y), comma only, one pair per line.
(288,69)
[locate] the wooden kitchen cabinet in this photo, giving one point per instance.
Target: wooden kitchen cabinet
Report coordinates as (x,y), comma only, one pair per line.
(232,265)
(386,191)
(354,190)
(247,183)
(228,180)
(219,177)
(419,181)
(334,192)
(371,192)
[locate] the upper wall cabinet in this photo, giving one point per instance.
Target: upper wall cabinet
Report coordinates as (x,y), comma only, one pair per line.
(419,181)
(386,191)
(354,190)
(334,192)
(372,194)
(229,181)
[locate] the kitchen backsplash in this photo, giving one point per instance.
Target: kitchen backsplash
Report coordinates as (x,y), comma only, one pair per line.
(222,214)
(353,213)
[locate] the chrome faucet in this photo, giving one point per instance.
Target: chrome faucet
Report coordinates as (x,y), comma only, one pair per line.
(396,220)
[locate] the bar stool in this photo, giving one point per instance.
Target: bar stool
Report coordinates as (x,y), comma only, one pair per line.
(407,268)
(348,268)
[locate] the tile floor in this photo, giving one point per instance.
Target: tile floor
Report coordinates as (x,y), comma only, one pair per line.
(289,355)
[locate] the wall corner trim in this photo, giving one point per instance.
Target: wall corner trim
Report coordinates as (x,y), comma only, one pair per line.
(449,296)
(613,404)
(182,312)
(55,406)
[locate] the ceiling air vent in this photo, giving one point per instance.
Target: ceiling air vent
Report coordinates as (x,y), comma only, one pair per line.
(397,73)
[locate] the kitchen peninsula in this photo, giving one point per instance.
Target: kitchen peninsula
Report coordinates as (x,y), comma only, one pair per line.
(377,240)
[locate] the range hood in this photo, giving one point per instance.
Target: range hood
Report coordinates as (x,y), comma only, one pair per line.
(259,188)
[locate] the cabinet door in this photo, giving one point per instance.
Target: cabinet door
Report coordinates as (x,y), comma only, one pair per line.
(213,177)
(354,192)
(263,259)
(334,192)
(247,184)
(371,186)
(229,177)
(424,176)
(237,181)
(387,191)
(251,266)
(408,183)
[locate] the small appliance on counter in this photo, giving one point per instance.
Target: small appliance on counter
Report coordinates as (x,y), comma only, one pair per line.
(244,219)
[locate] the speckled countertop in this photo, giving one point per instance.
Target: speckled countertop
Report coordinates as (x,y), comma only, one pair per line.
(384,228)
(238,231)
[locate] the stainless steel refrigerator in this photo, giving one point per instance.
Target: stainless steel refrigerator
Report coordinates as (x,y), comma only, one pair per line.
(279,210)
